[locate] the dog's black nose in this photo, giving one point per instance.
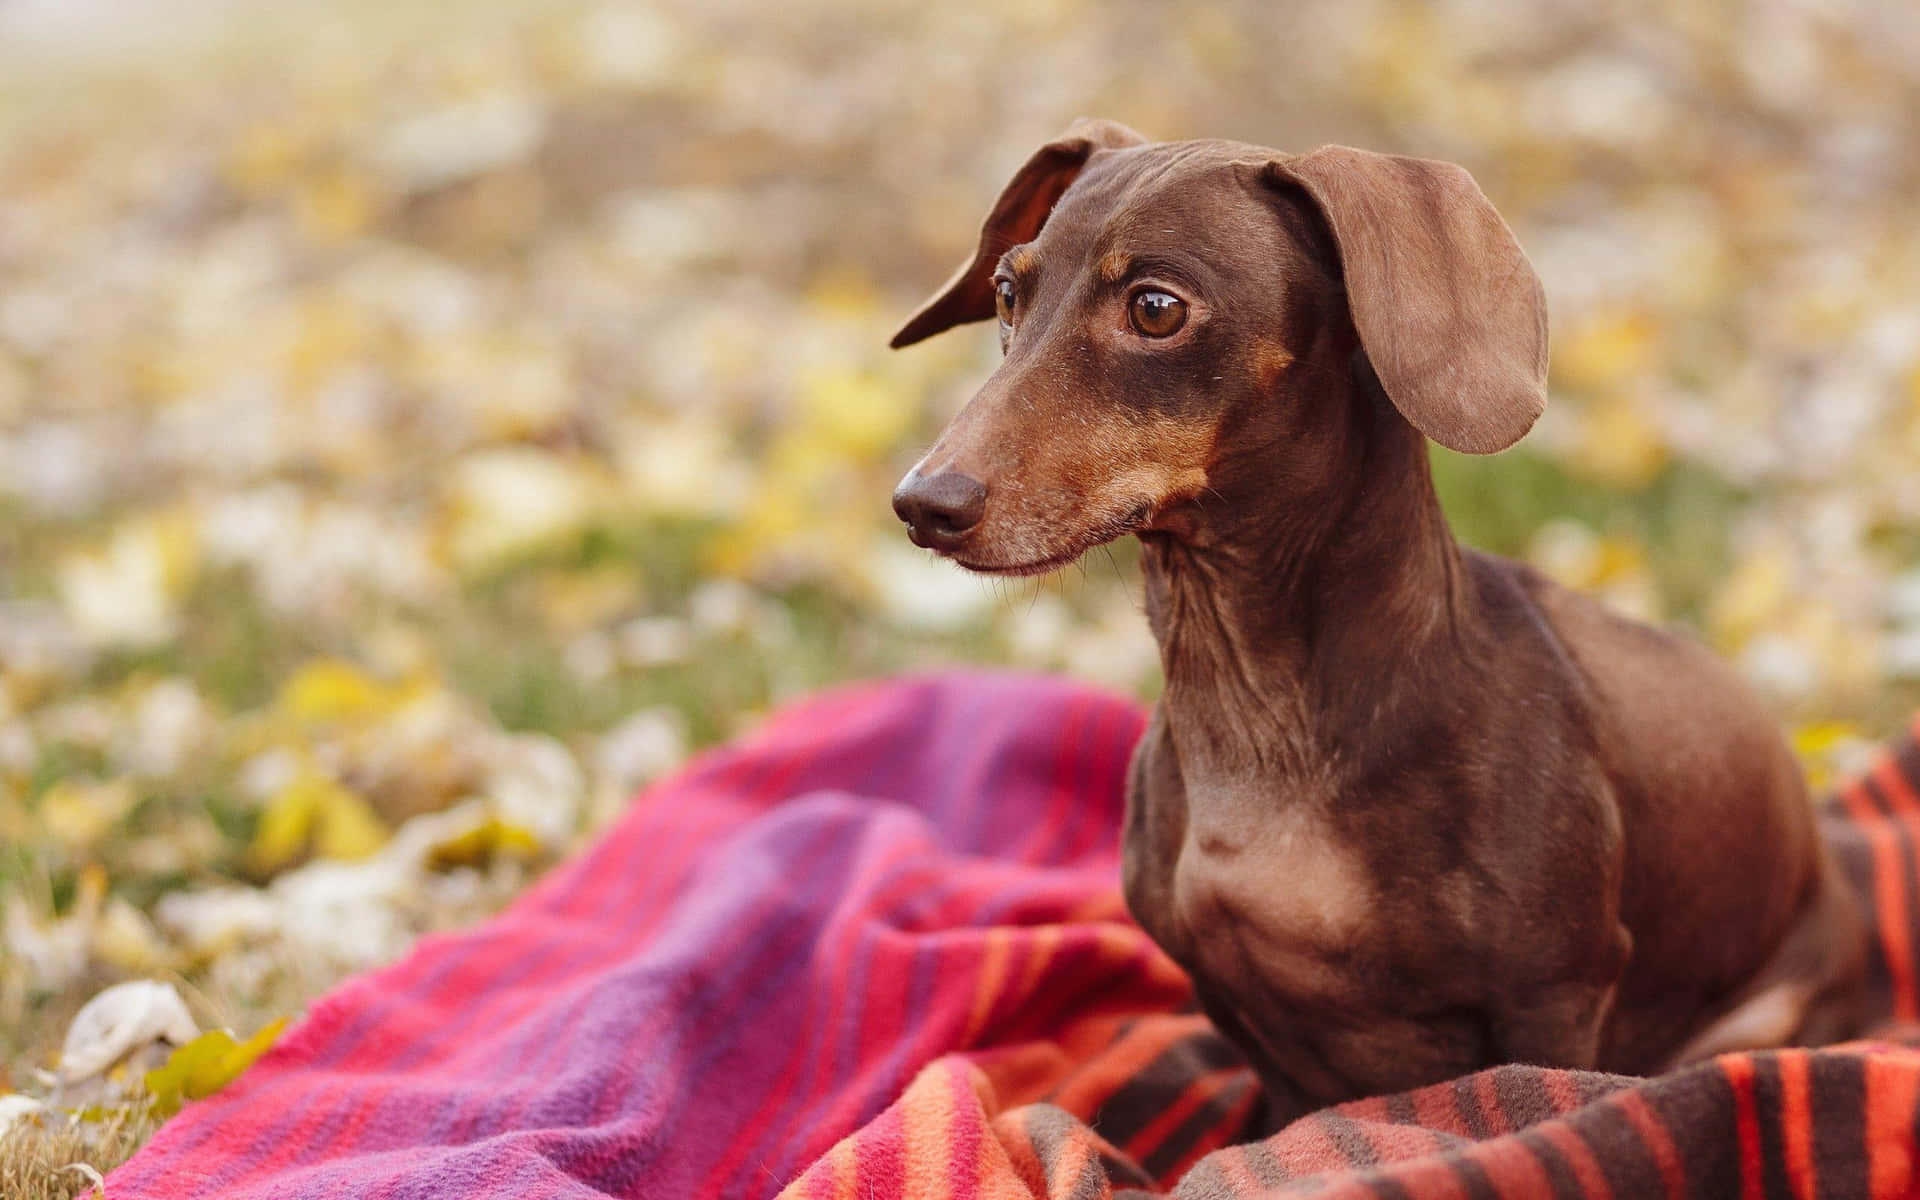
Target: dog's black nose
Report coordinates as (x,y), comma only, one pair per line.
(940,509)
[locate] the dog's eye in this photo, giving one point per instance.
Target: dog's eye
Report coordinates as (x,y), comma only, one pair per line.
(1003,300)
(1158,314)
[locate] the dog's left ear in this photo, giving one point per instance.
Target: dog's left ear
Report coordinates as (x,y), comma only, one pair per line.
(1016,217)
(1446,305)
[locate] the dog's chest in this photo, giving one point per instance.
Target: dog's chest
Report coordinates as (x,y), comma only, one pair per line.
(1271,879)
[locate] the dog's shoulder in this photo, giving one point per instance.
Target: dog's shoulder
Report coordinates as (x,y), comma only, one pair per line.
(1680,718)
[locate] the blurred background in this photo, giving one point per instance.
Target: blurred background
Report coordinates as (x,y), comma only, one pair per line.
(421,424)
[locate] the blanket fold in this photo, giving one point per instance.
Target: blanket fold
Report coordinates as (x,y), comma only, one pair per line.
(877,950)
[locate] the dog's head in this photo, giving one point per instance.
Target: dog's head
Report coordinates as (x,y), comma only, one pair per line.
(1172,311)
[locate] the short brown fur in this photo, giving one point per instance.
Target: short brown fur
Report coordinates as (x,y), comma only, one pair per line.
(1404,810)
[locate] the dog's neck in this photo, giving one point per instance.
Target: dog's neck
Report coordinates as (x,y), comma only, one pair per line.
(1292,625)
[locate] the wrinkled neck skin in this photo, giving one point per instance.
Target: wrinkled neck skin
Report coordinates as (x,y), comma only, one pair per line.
(1297,615)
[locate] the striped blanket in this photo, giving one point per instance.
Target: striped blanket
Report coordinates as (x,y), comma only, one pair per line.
(877,950)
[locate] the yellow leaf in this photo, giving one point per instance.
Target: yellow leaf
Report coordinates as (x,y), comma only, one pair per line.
(285,824)
(1751,596)
(169,1082)
(330,690)
(491,839)
(315,808)
(1820,746)
(1620,557)
(1618,444)
(1821,737)
(205,1065)
(347,826)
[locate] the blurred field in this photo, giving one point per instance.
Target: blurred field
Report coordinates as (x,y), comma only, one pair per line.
(421,425)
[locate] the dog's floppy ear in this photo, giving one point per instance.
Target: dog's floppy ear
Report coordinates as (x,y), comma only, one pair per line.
(1016,217)
(1447,307)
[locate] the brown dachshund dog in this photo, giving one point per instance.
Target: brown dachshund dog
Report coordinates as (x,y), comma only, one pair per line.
(1404,810)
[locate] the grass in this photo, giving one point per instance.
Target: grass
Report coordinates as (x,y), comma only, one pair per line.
(40,1165)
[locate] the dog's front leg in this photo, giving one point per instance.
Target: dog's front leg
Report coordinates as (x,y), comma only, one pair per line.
(1557,1026)
(1561,1024)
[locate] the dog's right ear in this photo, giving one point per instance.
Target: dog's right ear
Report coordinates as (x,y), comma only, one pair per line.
(1016,217)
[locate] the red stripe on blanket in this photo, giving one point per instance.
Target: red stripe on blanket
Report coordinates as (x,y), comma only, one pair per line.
(1889,895)
(1579,1156)
(1658,1140)
(1738,1071)
(1893,1087)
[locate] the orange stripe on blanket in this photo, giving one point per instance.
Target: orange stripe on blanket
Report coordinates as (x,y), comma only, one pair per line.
(1796,1122)
(1022,1156)
(1889,895)
(1580,1159)
(1233,1122)
(1434,1178)
(1069,1165)
(1105,905)
(1513,1169)
(1658,1140)
(1041,944)
(981,1168)
(990,985)
(1391,1140)
(1738,1068)
(1036,1070)
(1486,1089)
(1568,1141)
(927,1120)
(1892,1091)
(1414,1154)
(1900,789)
(1201,1091)
(1438,1112)
(1236,1167)
(1905,803)
(846,1170)
(1087,1089)
(1560,1092)
(1306,1148)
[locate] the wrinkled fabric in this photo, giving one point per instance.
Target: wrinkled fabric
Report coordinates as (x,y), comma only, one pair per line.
(877,949)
